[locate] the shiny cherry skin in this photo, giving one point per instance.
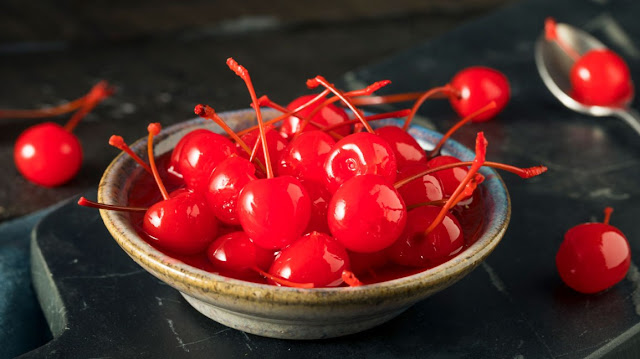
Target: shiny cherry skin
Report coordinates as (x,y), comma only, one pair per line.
(314,258)
(449,178)
(200,155)
(421,190)
(235,252)
(183,224)
(414,249)
(366,214)
(405,147)
(47,154)
(478,86)
(177,150)
(593,257)
(320,198)
(274,211)
(359,154)
(602,78)
(275,142)
(329,115)
(305,155)
(225,184)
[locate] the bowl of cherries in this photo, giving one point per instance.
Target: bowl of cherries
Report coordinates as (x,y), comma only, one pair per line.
(313,220)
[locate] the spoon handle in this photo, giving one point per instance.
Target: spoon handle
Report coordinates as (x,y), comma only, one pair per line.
(630,116)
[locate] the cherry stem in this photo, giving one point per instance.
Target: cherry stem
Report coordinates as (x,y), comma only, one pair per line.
(522,172)
(551,34)
(281,280)
(207,112)
(402,97)
(446,89)
(87,203)
(265,101)
(98,93)
(351,279)
(118,142)
(154,129)
(436,150)
(380,116)
(244,75)
(607,214)
(438,203)
(44,112)
(319,80)
(481,151)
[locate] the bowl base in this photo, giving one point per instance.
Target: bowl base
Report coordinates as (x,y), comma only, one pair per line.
(286,328)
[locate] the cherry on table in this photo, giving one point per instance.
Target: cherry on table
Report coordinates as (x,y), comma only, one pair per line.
(477,86)
(593,256)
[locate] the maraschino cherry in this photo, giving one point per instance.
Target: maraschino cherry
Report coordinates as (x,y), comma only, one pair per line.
(593,256)
(183,224)
(598,77)
(236,253)
(225,184)
(314,258)
(273,211)
(48,154)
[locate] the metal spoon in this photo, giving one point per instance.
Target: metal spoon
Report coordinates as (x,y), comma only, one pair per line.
(554,67)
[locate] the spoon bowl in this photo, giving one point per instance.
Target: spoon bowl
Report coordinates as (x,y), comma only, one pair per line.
(554,67)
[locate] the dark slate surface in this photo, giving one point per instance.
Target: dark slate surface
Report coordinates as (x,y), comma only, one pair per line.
(513,306)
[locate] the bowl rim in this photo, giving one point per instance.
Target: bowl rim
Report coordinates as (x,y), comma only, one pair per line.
(206,282)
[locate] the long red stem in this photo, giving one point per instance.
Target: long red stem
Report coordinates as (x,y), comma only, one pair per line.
(446,89)
(481,151)
(206,111)
(118,142)
(607,214)
(244,75)
(319,80)
(154,129)
(98,93)
(464,121)
(267,102)
(44,112)
(281,280)
(522,172)
(87,203)
(551,34)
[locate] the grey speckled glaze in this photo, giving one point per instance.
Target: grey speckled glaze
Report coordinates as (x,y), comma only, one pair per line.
(293,313)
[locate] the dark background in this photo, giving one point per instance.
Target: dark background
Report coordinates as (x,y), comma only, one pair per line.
(164,57)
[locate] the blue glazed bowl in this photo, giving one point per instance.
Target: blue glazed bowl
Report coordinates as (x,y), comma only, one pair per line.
(293,313)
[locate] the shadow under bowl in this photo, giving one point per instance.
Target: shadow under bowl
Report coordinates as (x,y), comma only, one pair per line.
(293,313)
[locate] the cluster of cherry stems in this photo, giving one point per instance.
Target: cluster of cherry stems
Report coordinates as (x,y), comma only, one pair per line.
(338,200)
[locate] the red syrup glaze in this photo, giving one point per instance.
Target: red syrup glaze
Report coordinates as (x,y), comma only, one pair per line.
(144,192)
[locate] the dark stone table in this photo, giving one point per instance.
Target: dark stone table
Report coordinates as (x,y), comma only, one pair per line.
(99,303)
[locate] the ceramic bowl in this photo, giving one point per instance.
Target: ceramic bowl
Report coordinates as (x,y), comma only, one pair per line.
(293,313)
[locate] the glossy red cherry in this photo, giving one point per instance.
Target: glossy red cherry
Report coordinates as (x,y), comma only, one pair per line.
(177,150)
(426,189)
(450,178)
(359,154)
(414,248)
(477,86)
(405,147)
(593,257)
(183,224)
(275,142)
(274,211)
(47,154)
(327,116)
(305,155)
(200,154)
(320,198)
(601,77)
(314,258)
(366,214)
(235,252)
(225,184)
